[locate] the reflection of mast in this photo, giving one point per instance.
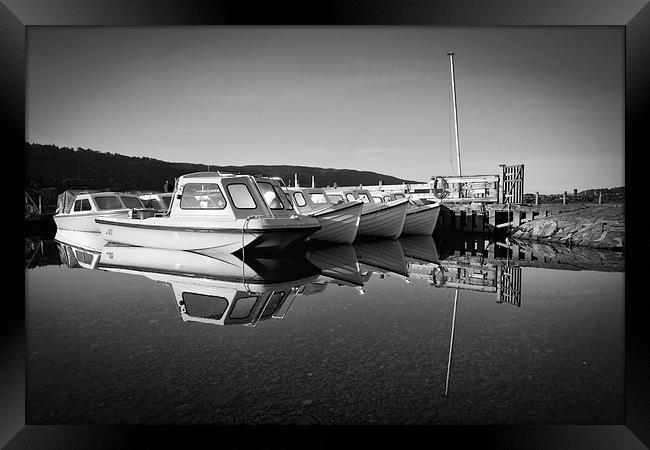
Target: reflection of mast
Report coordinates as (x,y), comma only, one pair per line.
(451,341)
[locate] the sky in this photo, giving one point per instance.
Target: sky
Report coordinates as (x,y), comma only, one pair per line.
(365,98)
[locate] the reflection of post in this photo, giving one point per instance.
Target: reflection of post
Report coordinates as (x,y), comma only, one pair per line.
(451,342)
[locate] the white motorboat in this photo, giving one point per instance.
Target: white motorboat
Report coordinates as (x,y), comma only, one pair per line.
(77,210)
(218,212)
(339,222)
(377,219)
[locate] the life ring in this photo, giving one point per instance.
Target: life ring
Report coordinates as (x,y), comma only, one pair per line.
(438,270)
(440,186)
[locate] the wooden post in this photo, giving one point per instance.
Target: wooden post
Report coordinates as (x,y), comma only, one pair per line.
(40,205)
(600,197)
(492,219)
(564,198)
(516,218)
(536,198)
(380,184)
(313,182)
(335,186)
(501,198)
(480,222)
(468,221)
(295,177)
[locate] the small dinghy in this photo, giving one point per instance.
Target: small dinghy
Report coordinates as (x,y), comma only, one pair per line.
(377,219)
(421,218)
(217,212)
(339,222)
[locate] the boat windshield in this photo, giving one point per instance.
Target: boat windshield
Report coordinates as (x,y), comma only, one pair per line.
(335,198)
(379,200)
(241,196)
(105,202)
(202,196)
(271,197)
(350,197)
(131,202)
(317,197)
(166,200)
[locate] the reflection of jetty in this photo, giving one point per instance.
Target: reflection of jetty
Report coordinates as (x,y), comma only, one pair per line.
(478,264)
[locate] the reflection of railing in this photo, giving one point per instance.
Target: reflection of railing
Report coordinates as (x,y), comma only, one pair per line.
(509,286)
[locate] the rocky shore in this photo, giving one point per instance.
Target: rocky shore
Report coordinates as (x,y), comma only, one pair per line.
(590,225)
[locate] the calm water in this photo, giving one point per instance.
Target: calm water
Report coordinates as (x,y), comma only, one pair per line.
(346,334)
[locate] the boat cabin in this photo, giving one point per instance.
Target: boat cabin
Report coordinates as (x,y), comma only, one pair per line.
(309,199)
(212,194)
(84,202)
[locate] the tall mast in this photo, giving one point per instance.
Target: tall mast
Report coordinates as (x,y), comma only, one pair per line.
(453,94)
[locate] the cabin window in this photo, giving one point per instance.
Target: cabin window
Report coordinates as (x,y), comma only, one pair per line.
(289,199)
(318,197)
(387,199)
(82,205)
(204,306)
(202,196)
(270,195)
(300,199)
(364,198)
(243,307)
(273,304)
(241,196)
(107,202)
(335,198)
(131,202)
(399,196)
(379,200)
(350,197)
(83,257)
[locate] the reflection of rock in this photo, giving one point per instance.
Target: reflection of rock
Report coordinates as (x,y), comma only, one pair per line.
(598,226)
(560,256)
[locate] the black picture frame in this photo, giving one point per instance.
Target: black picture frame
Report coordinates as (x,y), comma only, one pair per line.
(633,15)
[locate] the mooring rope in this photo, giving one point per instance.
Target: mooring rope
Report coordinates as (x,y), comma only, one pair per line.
(243,253)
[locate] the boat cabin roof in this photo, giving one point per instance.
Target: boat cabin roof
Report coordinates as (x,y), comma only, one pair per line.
(213,194)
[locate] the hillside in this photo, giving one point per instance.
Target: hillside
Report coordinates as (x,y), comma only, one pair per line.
(66,168)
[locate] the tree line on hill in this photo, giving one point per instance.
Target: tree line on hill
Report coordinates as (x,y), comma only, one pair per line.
(50,169)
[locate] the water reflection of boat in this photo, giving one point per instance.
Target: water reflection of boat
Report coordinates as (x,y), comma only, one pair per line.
(216,289)
(382,256)
(79,248)
(253,269)
(421,248)
(338,262)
